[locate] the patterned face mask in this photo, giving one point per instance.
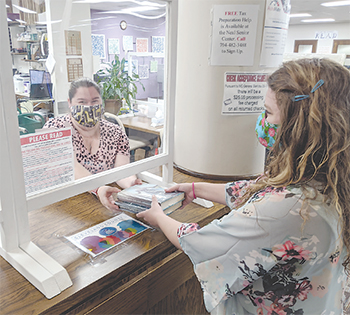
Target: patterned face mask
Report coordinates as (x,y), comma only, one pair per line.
(265,131)
(87,115)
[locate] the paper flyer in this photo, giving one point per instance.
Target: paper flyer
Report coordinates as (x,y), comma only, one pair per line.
(244,93)
(234,29)
(106,235)
(275,32)
(47,160)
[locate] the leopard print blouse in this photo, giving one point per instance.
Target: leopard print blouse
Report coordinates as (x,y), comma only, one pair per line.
(113,141)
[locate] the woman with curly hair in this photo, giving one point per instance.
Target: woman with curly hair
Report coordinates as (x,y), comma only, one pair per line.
(284,248)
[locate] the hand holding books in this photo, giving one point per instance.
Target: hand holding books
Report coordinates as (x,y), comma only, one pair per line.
(138,198)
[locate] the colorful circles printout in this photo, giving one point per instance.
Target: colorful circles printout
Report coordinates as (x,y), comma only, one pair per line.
(97,244)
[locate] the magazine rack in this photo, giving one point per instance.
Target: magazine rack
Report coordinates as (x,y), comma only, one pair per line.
(16,246)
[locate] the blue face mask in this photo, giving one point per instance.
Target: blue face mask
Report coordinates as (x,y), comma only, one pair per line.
(265,131)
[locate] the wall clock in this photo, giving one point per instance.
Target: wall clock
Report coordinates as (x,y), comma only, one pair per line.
(123,25)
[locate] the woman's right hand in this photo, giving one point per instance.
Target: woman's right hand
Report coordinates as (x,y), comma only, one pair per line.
(187,189)
(105,194)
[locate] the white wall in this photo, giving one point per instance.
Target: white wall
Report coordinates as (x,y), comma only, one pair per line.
(309,31)
(75,13)
(205,141)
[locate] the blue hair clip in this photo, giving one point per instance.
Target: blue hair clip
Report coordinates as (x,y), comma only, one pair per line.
(302,97)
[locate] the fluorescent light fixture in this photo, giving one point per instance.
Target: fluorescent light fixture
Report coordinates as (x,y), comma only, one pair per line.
(134,14)
(336,3)
(25,10)
(9,20)
(317,20)
(48,22)
(299,15)
(7,6)
(21,21)
(139,9)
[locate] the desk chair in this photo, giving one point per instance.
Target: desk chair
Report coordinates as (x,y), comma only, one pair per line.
(134,142)
(29,122)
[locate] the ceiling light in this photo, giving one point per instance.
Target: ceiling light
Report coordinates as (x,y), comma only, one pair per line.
(299,15)
(139,9)
(336,3)
(317,20)
(21,21)
(9,20)
(25,10)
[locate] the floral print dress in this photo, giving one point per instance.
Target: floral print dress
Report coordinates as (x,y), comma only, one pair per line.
(264,258)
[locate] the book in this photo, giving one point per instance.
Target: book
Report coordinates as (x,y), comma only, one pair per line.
(107,234)
(135,208)
(141,195)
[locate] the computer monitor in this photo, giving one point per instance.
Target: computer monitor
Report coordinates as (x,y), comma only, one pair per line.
(39,76)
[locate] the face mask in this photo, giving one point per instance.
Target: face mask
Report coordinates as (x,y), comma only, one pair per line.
(86,115)
(265,131)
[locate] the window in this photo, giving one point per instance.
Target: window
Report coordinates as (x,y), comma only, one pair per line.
(84,20)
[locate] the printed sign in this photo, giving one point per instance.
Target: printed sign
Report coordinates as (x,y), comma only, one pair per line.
(106,235)
(47,160)
(244,93)
(275,32)
(233,35)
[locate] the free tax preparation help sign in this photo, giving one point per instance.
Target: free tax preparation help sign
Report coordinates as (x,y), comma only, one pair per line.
(244,93)
(234,29)
(47,160)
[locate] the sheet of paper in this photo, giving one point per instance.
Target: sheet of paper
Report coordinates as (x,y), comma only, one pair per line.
(234,30)
(275,32)
(244,93)
(47,160)
(106,235)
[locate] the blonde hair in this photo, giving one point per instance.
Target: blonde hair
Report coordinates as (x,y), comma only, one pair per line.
(313,140)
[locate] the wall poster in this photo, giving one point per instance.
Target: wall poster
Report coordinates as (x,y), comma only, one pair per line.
(234,30)
(98,45)
(244,93)
(128,43)
(113,46)
(275,32)
(141,44)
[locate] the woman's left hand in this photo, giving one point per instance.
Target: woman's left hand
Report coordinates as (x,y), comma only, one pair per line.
(105,194)
(137,181)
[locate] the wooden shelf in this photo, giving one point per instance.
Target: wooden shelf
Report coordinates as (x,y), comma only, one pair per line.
(24,53)
(33,60)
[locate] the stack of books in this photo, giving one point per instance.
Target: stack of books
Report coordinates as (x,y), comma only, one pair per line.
(138,198)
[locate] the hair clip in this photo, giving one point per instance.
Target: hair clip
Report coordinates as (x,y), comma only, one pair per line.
(302,97)
(317,85)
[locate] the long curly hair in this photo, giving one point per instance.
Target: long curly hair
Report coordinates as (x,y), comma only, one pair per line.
(313,140)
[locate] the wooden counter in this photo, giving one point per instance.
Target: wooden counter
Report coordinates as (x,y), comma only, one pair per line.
(144,275)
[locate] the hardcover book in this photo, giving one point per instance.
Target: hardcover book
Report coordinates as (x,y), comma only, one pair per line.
(141,196)
(106,235)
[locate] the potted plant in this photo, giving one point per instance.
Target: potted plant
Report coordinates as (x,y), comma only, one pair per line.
(118,86)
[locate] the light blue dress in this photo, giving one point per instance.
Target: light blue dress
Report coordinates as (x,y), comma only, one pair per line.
(264,258)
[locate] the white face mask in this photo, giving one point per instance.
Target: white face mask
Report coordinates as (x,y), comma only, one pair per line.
(87,115)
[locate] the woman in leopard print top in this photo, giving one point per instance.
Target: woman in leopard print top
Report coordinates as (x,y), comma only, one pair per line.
(98,144)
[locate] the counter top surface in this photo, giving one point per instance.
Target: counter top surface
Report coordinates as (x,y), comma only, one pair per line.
(50,224)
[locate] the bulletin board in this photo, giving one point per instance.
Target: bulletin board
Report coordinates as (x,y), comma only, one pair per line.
(73,42)
(74,68)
